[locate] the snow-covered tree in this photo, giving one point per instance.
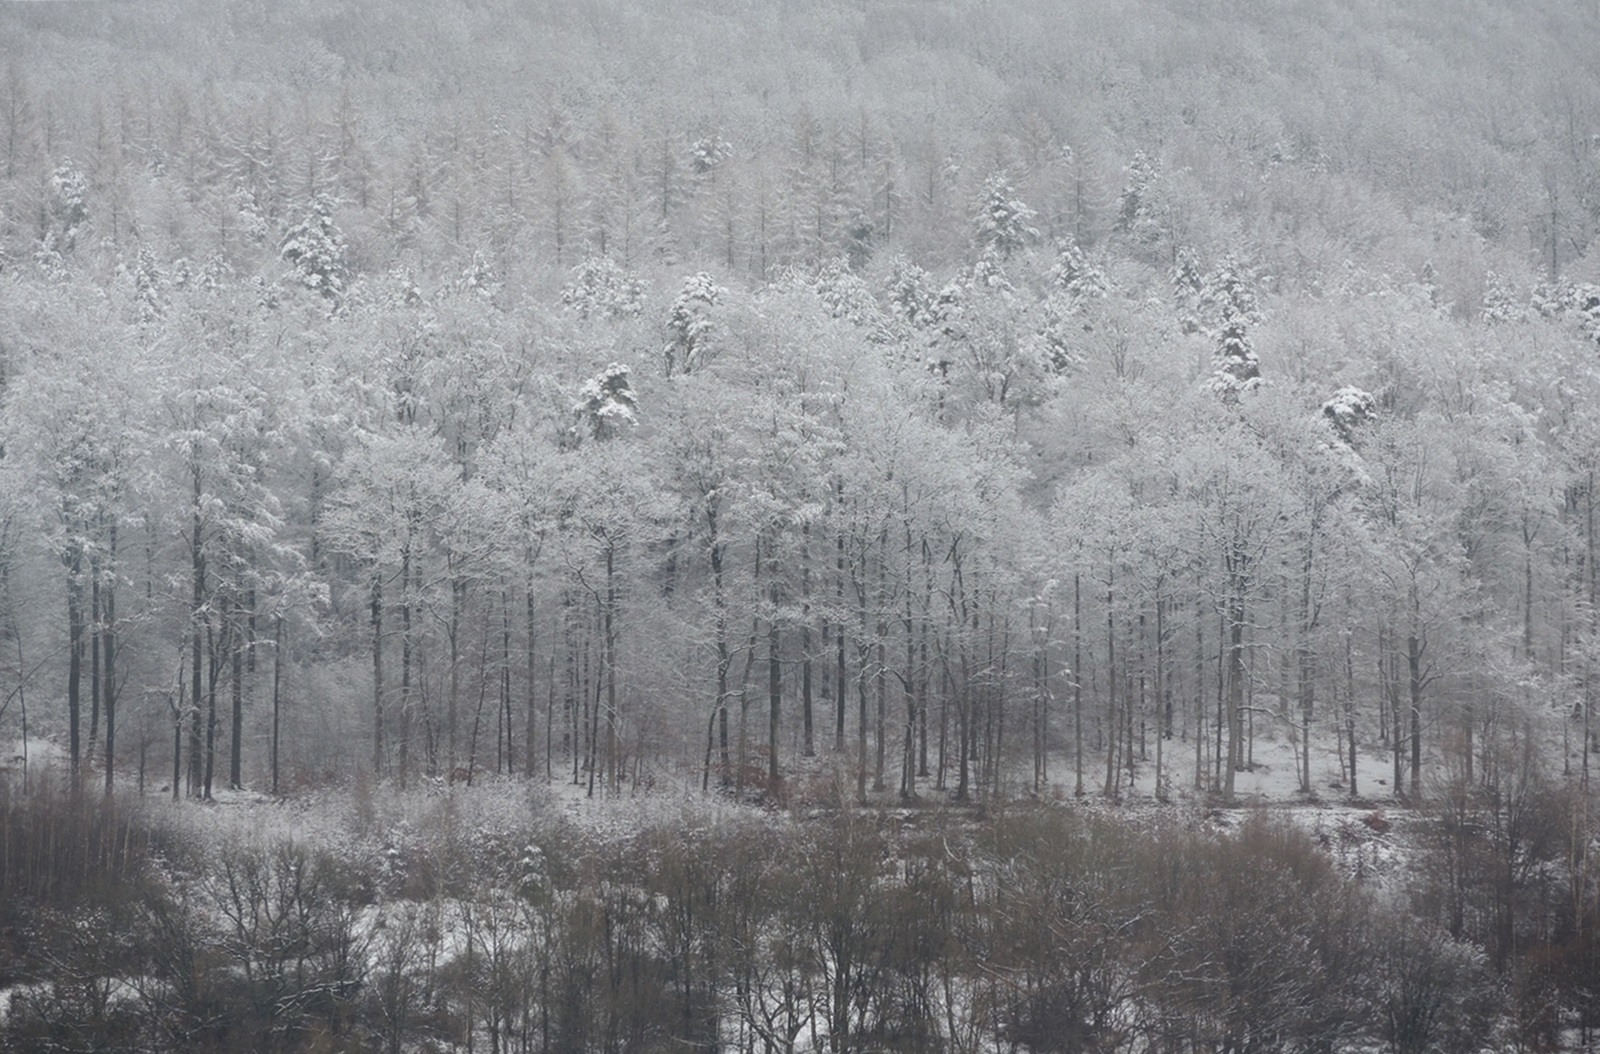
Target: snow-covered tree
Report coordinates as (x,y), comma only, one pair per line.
(606,406)
(1188,291)
(910,293)
(477,278)
(1500,301)
(1235,367)
(69,207)
(315,249)
(689,326)
(1076,275)
(1349,408)
(601,289)
(147,287)
(1004,222)
(709,152)
(1141,173)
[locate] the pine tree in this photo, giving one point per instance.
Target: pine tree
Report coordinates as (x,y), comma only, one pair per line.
(1135,191)
(315,248)
(606,406)
(601,289)
(689,326)
(1004,222)
(1349,408)
(1235,367)
(1500,301)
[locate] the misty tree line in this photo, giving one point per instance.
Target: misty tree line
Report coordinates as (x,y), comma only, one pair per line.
(1044,929)
(1053,501)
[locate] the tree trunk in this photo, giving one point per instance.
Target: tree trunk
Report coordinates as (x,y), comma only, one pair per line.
(774,676)
(198,621)
(610,631)
(531,660)
(375,618)
(863,649)
(1113,724)
(458,601)
(1414,649)
(407,647)
(880,677)
(108,644)
(75,627)
(235,766)
(1077,683)
(1350,707)
(1236,679)
(808,746)
(94,658)
(277,696)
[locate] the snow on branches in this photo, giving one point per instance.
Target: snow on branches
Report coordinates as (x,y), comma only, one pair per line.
(689,326)
(315,248)
(601,289)
(606,406)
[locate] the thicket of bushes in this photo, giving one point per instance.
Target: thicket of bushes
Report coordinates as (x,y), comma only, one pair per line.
(1043,928)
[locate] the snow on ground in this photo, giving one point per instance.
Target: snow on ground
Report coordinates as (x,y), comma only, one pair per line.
(363,821)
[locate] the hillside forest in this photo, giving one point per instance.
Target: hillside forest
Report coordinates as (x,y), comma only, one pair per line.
(948,448)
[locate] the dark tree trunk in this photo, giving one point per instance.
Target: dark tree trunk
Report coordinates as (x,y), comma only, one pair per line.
(277,695)
(808,745)
(75,627)
(375,617)
(236,744)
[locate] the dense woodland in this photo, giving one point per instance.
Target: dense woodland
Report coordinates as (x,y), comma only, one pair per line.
(814,405)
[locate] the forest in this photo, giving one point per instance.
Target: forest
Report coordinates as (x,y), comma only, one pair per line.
(843,525)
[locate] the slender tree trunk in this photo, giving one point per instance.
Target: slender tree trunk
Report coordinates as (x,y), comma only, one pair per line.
(214,654)
(277,696)
(719,601)
(880,677)
(863,650)
(1163,713)
(610,631)
(808,747)
(199,621)
(458,600)
(774,675)
(1113,724)
(1350,707)
(94,658)
(925,670)
(505,683)
(1414,649)
(1306,668)
(840,702)
(177,736)
(375,620)
(1236,683)
(236,742)
(108,644)
(908,766)
(407,655)
(531,660)
(75,628)
(1199,696)
(1077,682)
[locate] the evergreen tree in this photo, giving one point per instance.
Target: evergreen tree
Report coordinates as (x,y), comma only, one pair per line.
(1235,367)
(315,249)
(1004,222)
(606,406)
(689,326)
(601,289)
